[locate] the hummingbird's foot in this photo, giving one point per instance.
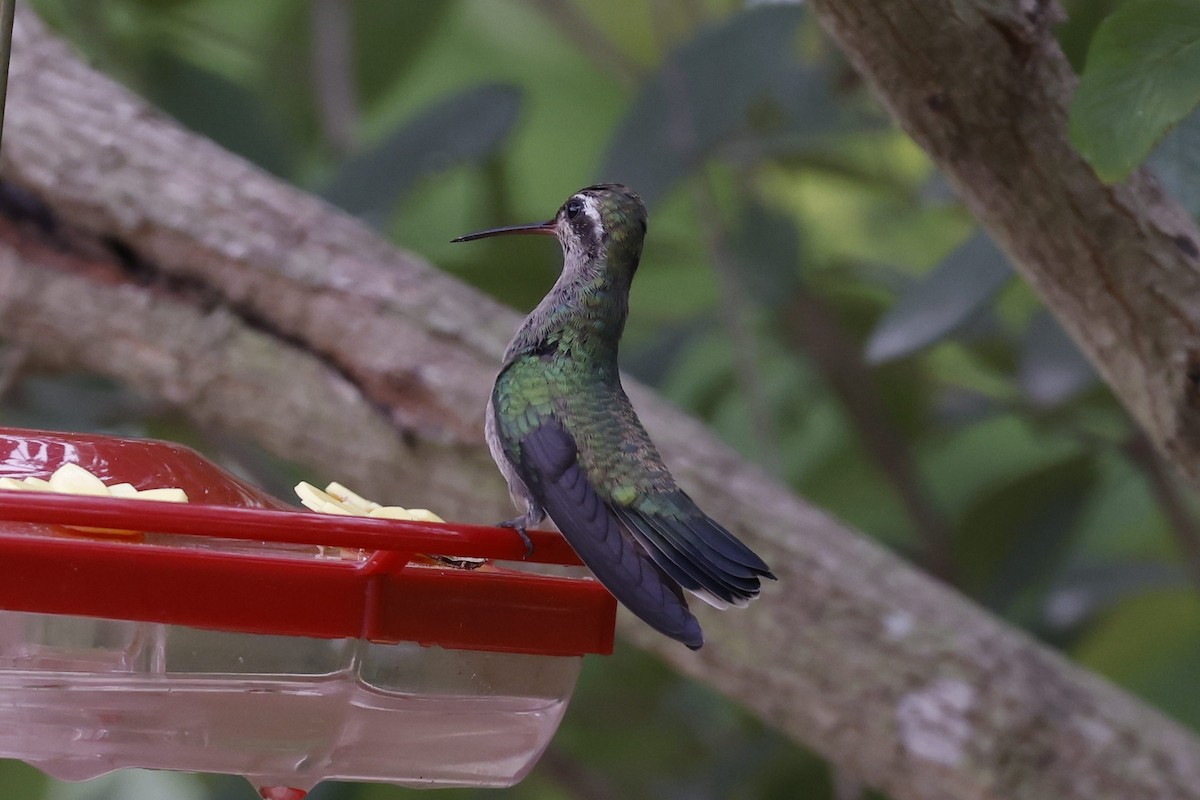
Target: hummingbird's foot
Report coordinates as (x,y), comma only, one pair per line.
(518,525)
(460,562)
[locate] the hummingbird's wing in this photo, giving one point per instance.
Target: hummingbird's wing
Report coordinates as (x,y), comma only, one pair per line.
(631,479)
(692,548)
(549,465)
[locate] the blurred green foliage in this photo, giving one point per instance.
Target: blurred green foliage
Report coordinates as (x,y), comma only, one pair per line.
(794,232)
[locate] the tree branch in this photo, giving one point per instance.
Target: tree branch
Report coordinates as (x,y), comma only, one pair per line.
(154,257)
(983,87)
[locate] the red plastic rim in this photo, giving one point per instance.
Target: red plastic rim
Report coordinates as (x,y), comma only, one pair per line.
(276,590)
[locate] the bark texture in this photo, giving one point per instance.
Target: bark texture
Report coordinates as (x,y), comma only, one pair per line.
(138,250)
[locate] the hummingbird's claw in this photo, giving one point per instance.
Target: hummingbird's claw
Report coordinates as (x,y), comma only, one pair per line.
(518,525)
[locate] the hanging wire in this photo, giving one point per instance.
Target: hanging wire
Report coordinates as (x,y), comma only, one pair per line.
(6,27)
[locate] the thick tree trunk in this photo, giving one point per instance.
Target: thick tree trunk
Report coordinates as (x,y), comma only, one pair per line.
(147,254)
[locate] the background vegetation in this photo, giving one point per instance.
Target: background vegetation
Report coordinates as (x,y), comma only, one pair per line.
(810,288)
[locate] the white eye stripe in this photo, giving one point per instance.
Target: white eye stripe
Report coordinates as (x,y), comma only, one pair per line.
(591,208)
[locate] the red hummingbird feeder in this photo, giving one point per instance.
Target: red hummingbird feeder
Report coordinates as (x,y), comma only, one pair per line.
(235,634)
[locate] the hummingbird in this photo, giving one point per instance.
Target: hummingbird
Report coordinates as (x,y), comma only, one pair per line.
(564,434)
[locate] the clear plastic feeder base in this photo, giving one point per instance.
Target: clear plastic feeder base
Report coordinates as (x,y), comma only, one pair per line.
(281,710)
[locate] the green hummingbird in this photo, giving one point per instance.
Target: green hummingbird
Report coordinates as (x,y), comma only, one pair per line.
(570,445)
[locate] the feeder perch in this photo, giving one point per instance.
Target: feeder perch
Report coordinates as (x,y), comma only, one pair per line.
(235,634)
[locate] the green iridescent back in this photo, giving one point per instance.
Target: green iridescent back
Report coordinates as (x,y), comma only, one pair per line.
(615,451)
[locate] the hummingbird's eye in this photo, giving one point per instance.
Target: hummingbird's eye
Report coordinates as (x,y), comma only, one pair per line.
(573,209)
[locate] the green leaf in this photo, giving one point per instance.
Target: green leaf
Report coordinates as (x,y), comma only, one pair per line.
(765,255)
(742,77)
(1142,77)
(1053,370)
(390,37)
(228,113)
(1014,537)
(1148,645)
(467,126)
(935,307)
(1083,17)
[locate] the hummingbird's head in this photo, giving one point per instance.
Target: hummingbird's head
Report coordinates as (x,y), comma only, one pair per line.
(606,220)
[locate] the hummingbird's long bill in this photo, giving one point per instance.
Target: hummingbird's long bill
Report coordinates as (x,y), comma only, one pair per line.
(543,228)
